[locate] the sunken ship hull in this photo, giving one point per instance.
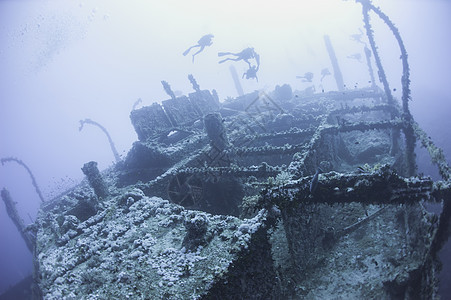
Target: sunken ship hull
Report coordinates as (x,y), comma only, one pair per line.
(217,201)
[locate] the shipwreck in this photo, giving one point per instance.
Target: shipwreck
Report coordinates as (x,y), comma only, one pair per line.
(271,195)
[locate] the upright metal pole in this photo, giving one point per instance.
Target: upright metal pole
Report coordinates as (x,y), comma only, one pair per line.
(335,66)
(236,80)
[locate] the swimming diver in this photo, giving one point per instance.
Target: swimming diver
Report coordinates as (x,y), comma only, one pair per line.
(307,77)
(324,72)
(245,55)
(358,37)
(252,71)
(202,43)
(356,56)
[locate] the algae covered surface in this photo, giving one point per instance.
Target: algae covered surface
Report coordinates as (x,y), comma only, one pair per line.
(139,247)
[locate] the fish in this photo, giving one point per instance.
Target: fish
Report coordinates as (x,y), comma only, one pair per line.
(314,182)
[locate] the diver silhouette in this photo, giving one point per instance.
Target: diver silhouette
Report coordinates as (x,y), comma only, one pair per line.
(308,77)
(325,72)
(252,71)
(202,43)
(245,55)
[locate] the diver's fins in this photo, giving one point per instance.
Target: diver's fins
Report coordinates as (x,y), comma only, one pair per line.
(187,51)
(223,53)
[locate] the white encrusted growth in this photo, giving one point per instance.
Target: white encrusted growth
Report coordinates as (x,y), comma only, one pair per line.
(138,251)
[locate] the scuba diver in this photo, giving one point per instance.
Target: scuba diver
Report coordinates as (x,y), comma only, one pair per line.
(245,55)
(308,77)
(325,72)
(252,71)
(358,37)
(202,43)
(356,56)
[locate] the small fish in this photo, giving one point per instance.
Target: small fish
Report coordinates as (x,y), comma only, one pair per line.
(314,182)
